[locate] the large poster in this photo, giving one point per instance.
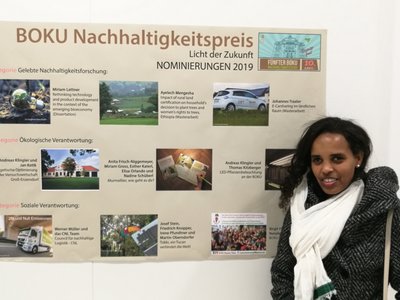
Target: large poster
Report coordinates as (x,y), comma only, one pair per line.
(150,143)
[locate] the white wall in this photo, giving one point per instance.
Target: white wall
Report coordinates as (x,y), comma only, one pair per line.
(362,72)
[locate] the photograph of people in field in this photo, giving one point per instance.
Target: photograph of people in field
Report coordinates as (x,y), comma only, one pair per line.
(128,102)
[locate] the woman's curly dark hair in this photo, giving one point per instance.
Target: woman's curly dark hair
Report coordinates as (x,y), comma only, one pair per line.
(358,139)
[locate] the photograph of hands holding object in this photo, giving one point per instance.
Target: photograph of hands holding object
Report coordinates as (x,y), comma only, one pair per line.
(332,244)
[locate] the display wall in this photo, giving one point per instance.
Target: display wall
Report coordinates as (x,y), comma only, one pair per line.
(360,85)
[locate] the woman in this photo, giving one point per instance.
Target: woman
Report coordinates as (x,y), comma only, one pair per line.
(333,236)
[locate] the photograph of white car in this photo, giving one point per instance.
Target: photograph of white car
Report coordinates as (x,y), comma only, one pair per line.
(231,99)
(240,104)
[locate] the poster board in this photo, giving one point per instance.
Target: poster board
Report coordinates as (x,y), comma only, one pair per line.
(134,143)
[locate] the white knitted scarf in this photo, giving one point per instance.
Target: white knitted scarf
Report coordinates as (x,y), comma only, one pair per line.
(314,233)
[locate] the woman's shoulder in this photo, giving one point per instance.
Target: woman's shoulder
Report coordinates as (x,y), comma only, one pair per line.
(382,178)
(383,173)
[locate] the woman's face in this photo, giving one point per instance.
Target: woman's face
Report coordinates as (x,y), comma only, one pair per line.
(333,163)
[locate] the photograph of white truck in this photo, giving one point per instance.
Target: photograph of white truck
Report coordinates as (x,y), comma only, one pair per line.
(34,240)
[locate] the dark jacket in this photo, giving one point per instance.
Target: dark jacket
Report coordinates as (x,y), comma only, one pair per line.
(355,264)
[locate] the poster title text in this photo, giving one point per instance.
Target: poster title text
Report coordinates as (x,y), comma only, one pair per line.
(141,38)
